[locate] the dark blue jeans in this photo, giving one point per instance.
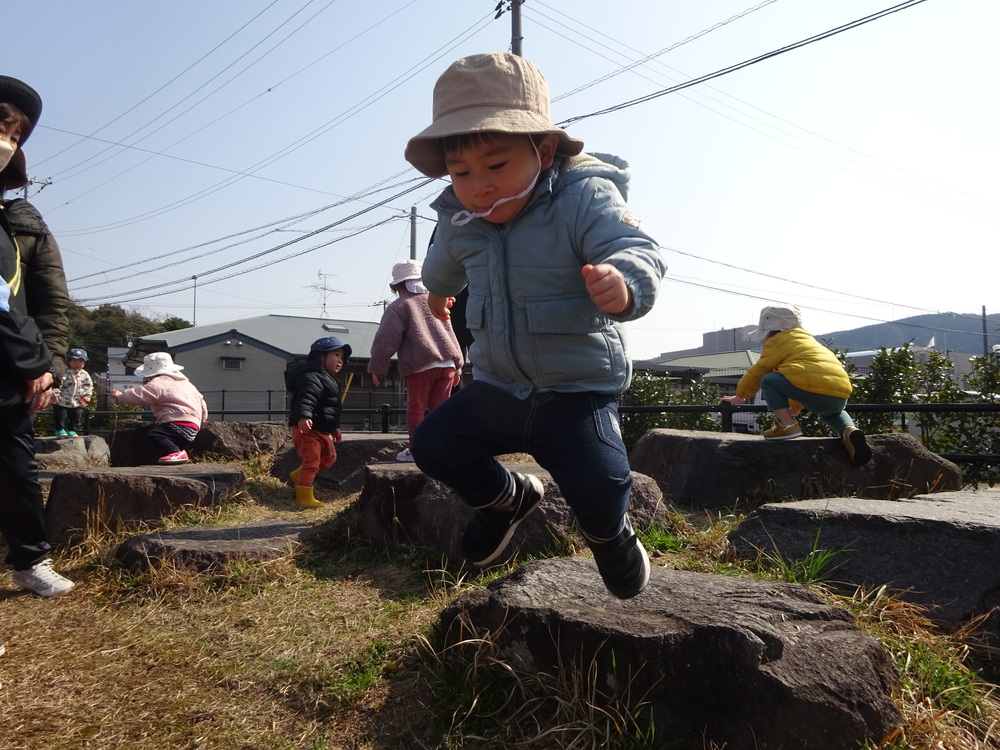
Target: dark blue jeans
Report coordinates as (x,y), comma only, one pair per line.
(574,436)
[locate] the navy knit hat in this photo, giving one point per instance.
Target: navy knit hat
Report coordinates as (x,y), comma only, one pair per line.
(328,344)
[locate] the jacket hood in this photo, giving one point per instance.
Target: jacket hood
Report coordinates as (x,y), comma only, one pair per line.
(564,171)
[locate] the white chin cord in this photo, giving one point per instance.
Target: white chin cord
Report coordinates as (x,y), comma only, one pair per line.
(463,217)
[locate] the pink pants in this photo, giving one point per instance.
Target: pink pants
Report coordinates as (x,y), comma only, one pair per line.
(316,452)
(426,390)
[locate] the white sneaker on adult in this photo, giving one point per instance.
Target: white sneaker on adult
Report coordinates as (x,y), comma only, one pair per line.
(405,456)
(41,580)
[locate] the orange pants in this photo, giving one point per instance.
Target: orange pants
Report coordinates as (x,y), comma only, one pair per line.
(316,452)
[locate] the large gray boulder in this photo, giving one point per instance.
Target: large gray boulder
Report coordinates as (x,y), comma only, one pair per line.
(939,551)
(121,499)
(742,663)
(225,441)
(401,504)
(716,470)
(354,453)
(81,452)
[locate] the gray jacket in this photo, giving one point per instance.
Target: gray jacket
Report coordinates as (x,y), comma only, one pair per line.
(535,326)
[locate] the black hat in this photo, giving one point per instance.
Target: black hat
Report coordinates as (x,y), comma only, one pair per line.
(328,344)
(25,98)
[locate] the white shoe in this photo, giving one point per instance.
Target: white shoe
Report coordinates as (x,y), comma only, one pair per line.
(42,580)
(405,456)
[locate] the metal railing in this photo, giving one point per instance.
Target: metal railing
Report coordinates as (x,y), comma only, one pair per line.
(379,417)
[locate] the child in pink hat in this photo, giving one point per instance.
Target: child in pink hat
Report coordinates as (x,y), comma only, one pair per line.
(428,353)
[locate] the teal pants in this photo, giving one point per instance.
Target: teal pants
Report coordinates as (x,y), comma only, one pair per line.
(777,389)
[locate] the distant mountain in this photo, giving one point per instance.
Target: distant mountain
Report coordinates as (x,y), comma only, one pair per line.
(954,332)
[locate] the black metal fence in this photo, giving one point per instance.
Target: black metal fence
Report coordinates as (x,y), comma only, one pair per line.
(380,418)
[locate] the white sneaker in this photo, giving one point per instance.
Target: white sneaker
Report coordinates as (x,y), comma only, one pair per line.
(405,456)
(42,580)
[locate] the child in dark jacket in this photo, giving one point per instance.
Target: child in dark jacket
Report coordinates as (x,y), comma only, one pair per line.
(314,413)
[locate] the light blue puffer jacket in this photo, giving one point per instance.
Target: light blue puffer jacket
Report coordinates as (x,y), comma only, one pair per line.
(535,326)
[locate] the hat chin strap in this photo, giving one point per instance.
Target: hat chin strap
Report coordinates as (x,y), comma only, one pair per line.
(463,217)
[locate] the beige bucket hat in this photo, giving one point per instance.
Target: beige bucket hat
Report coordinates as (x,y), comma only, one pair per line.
(776,318)
(488,93)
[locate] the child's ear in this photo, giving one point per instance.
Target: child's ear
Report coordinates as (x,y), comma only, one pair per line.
(547,149)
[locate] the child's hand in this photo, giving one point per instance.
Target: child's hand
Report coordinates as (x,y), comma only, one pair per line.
(337,437)
(734,399)
(84,401)
(440,306)
(377,378)
(115,393)
(607,287)
(305,424)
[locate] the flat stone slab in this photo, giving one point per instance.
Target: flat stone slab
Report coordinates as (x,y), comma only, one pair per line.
(208,548)
(401,504)
(124,498)
(939,551)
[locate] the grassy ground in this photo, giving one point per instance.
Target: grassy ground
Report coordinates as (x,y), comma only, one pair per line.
(332,648)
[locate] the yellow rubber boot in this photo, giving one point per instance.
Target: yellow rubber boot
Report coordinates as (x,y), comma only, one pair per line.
(294,476)
(304,497)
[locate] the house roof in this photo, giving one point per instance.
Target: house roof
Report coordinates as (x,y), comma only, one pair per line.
(286,335)
(720,363)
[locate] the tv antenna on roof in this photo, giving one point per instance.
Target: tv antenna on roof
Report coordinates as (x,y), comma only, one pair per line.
(324,290)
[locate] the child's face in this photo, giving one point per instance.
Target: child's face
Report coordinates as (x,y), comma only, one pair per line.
(501,167)
(333,361)
(76,363)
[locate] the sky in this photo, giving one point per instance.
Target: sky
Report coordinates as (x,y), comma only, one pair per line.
(227,159)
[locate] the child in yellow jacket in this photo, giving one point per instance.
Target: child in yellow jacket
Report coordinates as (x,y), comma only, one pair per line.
(794,372)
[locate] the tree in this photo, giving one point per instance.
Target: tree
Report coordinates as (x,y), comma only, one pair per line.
(112,326)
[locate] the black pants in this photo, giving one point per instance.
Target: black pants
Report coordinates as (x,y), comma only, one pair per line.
(67,417)
(22,509)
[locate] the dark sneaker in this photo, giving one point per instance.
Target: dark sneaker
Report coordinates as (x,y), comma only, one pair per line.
(490,531)
(857,446)
(622,562)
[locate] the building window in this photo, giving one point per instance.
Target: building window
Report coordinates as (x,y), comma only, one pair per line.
(232,363)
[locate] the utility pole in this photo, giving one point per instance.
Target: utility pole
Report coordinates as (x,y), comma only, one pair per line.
(413,232)
(986,348)
(514,7)
(515,27)
(32,181)
(194,305)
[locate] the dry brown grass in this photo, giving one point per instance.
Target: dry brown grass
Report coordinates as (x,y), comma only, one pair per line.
(319,650)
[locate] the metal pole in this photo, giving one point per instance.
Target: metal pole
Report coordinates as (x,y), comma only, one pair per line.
(986,348)
(194,310)
(413,232)
(515,27)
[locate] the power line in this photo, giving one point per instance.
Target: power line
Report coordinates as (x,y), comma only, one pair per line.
(745,63)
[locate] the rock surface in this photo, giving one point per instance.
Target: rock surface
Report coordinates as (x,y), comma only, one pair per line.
(745,664)
(118,499)
(226,441)
(400,504)
(206,548)
(718,470)
(81,452)
(938,551)
(354,453)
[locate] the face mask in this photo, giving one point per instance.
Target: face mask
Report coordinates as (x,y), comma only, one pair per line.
(7,150)
(463,217)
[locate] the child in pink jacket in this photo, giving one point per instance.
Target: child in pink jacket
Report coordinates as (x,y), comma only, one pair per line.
(179,408)
(427,351)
